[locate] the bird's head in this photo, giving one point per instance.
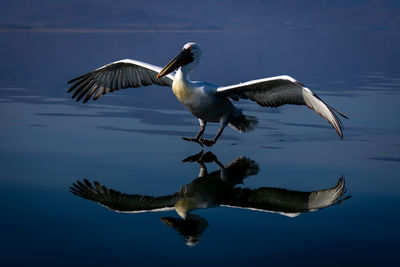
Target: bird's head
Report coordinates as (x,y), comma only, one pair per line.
(187,59)
(184,206)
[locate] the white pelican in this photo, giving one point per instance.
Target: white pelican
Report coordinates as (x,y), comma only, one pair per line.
(208,102)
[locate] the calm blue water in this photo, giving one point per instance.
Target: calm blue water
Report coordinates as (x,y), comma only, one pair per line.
(130,141)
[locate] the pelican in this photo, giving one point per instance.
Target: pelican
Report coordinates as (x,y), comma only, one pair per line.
(207,102)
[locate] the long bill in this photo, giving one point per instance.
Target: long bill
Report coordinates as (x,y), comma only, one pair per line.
(183,58)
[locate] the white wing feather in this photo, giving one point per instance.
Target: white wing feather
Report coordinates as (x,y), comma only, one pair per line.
(281,90)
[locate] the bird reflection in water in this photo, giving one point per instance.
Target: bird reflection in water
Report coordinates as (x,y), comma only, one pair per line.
(218,188)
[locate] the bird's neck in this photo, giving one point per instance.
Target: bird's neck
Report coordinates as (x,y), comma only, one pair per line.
(183,74)
(182,86)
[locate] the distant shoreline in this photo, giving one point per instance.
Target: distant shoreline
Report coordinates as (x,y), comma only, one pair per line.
(199,31)
(75,30)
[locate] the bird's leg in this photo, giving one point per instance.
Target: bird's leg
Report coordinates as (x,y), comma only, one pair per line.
(210,157)
(200,160)
(222,124)
(203,169)
(198,135)
(212,141)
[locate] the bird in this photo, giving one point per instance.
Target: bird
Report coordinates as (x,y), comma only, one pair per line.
(217,188)
(208,102)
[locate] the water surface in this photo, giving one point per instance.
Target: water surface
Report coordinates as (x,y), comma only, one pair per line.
(130,141)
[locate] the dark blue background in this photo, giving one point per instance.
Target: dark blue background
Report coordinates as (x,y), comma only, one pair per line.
(130,140)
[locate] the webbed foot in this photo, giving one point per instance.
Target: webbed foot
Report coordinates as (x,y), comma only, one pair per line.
(191,139)
(208,157)
(194,158)
(207,142)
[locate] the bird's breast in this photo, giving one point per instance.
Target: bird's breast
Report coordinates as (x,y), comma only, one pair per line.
(200,102)
(182,91)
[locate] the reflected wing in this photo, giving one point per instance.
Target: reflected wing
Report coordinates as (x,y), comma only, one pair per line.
(121,202)
(287,202)
(281,90)
(114,76)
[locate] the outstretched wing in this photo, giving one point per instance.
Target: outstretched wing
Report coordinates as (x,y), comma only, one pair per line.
(287,202)
(114,76)
(281,90)
(121,202)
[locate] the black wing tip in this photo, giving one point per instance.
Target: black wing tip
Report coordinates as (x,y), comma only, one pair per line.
(344,116)
(72,188)
(85,100)
(83,188)
(78,78)
(71,81)
(340,113)
(78,99)
(341,184)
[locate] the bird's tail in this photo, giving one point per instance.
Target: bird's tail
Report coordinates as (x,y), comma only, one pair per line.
(237,170)
(244,123)
(243,167)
